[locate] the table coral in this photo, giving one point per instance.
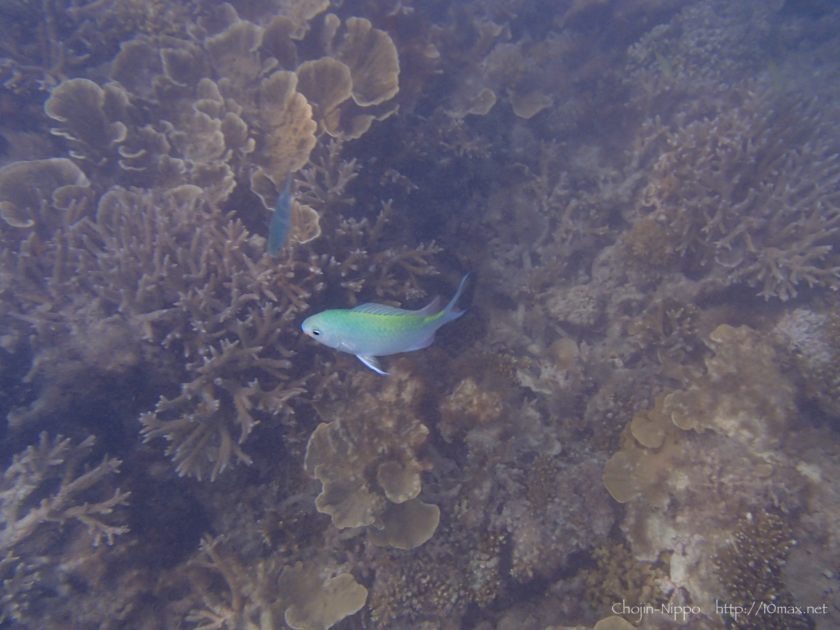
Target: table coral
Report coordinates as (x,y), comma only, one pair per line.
(87,115)
(318,603)
(372,58)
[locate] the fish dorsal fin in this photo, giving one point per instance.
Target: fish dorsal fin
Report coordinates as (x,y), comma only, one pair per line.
(382,309)
(430,309)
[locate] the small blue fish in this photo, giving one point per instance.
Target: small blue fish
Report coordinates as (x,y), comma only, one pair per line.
(281,220)
(375,330)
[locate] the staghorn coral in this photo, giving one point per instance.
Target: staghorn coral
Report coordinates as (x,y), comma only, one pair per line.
(368,464)
(169,272)
(758,200)
(45,493)
(31,470)
(356,259)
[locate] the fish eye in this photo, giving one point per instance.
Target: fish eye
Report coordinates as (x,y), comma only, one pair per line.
(316,332)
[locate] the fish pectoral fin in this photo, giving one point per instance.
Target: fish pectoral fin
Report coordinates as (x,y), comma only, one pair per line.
(372,363)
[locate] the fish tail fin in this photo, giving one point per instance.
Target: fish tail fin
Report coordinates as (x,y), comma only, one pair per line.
(451,311)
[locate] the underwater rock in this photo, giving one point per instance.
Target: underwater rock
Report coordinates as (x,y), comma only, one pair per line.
(813,338)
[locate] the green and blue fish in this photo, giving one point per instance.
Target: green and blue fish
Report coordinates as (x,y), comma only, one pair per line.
(281,220)
(375,330)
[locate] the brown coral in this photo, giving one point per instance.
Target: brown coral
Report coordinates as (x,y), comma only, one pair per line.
(87,115)
(307,597)
(31,192)
(318,603)
(758,199)
(288,130)
(372,58)
(50,487)
(664,465)
(57,459)
(368,464)
(217,300)
(750,568)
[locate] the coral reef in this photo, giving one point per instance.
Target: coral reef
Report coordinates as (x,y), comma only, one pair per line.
(47,492)
(663,461)
(750,569)
(753,195)
(617,576)
(369,465)
(813,338)
(625,181)
(306,598)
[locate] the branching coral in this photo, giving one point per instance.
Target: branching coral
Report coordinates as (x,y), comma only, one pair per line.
(173,273)
(758,199)
(57,459)
(357,260)
(50,488)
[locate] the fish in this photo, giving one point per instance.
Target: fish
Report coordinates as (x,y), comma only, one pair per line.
(374,330)
(281,220)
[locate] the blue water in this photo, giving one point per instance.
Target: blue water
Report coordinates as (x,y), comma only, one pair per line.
(635,424)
